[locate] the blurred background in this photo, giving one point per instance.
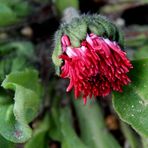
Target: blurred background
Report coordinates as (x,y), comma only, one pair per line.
(27,30)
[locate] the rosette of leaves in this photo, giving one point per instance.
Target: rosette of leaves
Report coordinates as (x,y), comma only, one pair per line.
(21,91)
(13,11)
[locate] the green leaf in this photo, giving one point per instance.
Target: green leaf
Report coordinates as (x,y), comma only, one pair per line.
(16,56)
(61,5)
(69,137)
(137,41)
(55,130)
(19,63)
(57,51)
(4,97)
(62,128)
(13,11)
(4,68)
(39,135)
(15,115)
(6,144)
(145,142)
(130,136)
(93,130)
(10,128)
(23,48)
(22,9)
(132,104)
(141,53)
(12,64)
(9,3)
(76,31)
(7,16)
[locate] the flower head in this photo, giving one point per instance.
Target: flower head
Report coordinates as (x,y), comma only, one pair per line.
(90,48)
(96,67)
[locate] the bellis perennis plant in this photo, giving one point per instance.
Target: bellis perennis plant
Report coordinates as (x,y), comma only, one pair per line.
(89,53)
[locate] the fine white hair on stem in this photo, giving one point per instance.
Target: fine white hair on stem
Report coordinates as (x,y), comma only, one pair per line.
(69,13)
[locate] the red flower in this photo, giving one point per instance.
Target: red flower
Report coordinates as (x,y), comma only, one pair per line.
(95,68)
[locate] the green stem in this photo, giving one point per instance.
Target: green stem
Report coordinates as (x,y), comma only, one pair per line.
(145,142)
(129,134)
(69,13)
(93,130)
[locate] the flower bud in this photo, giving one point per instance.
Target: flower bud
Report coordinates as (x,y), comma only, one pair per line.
(90,48)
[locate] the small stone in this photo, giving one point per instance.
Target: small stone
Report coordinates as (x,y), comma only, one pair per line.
(3,35)
(112,122)
(27,31)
